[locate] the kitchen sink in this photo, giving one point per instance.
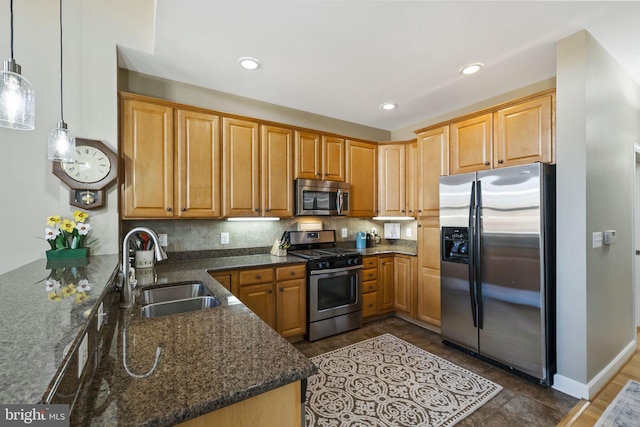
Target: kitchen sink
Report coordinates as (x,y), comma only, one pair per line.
(179,306)
(173,292)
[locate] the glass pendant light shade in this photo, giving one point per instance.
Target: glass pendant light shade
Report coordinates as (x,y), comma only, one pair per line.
(17,97)
(62,144)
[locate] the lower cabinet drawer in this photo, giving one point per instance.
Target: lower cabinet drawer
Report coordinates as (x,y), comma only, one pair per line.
(251,277)
(369,304)
(369,286)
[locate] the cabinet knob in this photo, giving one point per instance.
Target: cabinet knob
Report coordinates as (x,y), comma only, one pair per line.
(501,161)
(486,163)
(168,209)
(370,305)
(267,210)
(419,210)
(270,291)
(257,210)
(402,211)
(183,209)
(281,289)
(293,273)
(258,277)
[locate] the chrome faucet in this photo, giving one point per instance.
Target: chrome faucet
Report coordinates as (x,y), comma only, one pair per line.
(126,291)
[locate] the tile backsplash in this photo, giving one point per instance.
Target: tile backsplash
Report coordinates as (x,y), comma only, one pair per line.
(196,235)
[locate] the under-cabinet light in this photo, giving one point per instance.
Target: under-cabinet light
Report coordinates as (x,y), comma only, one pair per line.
(250,218)
(393,218)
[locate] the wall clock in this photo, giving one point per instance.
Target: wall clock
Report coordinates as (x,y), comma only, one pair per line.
(95,168)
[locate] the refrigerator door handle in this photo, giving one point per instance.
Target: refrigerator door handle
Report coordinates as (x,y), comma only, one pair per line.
(472,256)
(478,255)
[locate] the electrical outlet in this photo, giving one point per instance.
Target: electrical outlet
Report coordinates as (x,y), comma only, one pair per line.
(407,232)
(345,232)
(163,240)
(83,354)
(224,238)
(100,319)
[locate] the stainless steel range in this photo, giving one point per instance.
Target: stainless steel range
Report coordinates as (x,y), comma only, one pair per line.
(334,278)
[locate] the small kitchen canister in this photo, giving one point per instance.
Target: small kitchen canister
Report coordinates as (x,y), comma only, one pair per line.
(144,259)
(361,240)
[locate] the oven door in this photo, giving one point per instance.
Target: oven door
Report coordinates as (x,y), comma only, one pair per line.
(334,292)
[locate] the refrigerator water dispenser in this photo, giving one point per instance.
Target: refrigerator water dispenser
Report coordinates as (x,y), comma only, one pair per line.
(455,244)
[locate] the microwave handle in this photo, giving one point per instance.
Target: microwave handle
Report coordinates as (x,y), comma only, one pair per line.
(339,201)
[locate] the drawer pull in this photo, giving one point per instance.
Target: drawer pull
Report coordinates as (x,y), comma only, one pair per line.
(258,277)
(281,289)
(270,291)
(293,273)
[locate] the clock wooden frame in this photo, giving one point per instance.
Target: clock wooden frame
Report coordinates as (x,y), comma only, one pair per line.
(95,189)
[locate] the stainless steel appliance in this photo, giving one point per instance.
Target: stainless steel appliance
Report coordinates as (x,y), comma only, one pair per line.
(334,280)
(316,197)
(498,267)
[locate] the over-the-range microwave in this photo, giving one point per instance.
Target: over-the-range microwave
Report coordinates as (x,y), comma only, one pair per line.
(316,197)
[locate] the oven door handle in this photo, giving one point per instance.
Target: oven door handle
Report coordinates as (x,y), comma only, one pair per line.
(335,271)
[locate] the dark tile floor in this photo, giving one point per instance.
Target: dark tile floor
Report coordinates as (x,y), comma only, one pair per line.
(520,403)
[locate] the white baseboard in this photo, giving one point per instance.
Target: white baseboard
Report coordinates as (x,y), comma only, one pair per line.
(588,391)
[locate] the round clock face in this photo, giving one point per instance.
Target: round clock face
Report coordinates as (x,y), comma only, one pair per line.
(91,165)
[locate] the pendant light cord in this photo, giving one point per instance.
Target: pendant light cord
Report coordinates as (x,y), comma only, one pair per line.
(11,13)
(61,102)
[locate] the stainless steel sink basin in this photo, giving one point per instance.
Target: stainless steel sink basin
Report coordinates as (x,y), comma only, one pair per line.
(179,306)
(173,292)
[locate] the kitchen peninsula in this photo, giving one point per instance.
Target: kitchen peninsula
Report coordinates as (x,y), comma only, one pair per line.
(208,360)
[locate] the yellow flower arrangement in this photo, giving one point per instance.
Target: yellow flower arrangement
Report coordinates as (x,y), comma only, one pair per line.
(67,234)
(60,284)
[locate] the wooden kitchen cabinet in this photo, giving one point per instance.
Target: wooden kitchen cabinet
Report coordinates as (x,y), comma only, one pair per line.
(428,292)
(369,286)
(404,272)
(411,178)
(470,144)
(228,279)
(170,171)
(319,156)
(291,300)
(433,146)
(392,180)
(385,284)
(147,150)
(520,132)
(276,179)
(256,291)
(198,165)
(361,173)
(240,168)
(523,133)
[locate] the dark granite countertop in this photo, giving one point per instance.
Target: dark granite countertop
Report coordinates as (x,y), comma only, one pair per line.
(39,325)
(210,359)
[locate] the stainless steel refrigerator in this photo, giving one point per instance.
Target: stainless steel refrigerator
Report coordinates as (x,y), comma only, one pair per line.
(498,267)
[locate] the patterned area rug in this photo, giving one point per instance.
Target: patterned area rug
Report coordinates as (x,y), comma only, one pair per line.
(624,411)
(385,381)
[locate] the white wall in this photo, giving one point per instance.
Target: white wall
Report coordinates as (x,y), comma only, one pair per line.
(598,114)
(92,29)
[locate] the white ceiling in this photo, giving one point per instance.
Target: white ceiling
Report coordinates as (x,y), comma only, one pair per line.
(342,59)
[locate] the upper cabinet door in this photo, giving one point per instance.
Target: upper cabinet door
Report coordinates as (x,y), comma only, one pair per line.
(198,163)
(308,157)
(432,162)
(411,178)
(277,175)
(470,145)
(523,133)
(333,168)
(391,180)
(147,151)
(240,168)
(362,175)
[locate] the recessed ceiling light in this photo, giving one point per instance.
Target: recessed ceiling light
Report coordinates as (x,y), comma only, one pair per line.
(389,106)
(471,68)
(249,63)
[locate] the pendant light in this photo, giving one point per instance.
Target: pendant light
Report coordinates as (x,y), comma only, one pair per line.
(61,143)
(17,97)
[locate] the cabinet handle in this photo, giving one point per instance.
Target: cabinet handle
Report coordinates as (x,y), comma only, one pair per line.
(267,210)
(486,163)
(258,277)
(293,273)
(257,210)
(370,305)
(419,225)
(419,210)
(501,161)
(402,211)
(183,209)
(281,289)
(168,209)
(270,291)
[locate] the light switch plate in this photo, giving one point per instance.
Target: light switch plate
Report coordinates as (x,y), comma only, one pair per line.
(162,237)
(345,232)
(83,354)
(596,239)
(224,238)
(407,231)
